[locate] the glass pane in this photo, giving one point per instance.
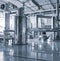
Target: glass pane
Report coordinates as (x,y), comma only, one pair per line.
(12,22)
(45,22)
(31,22)
(2,23)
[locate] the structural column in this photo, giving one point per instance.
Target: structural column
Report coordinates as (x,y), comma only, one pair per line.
(7,18)
(7,23)
(21,27)
(24,30)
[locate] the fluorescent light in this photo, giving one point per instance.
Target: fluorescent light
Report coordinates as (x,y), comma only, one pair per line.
(23,0)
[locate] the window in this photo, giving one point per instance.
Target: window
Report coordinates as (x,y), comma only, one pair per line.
(45,22)
(2,22)
(31,21)
(12,22)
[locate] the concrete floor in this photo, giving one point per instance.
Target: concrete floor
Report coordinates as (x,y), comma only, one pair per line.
(29,53)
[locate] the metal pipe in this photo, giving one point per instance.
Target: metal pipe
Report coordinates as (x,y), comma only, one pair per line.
(57,9)
(39,11)
(57,12)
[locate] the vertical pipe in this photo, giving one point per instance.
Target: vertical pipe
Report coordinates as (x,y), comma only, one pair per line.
(54,26)
(26,31)
(37,21)
(57,12)
(15,25)
(57,9)
(56,53)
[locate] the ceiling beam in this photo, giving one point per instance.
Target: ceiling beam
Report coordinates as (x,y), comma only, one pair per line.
(26,6)
(39,6)
(52,4)
(36,4)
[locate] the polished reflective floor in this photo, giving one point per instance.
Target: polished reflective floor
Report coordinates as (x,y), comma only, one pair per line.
(30,52)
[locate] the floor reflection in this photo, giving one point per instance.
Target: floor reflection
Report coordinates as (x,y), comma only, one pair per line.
(30,53)
(1,56)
